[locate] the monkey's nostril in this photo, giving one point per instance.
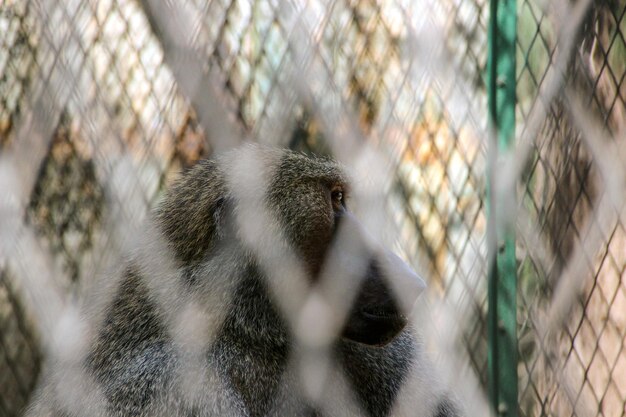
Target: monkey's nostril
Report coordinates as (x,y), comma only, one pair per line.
(374,328)
(383,312)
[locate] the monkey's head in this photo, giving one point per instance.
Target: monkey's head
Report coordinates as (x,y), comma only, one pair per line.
(278,200)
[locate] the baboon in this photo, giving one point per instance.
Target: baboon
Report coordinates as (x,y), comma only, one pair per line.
(198,323)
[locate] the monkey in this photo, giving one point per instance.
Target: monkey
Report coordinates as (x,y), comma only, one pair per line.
(202,297)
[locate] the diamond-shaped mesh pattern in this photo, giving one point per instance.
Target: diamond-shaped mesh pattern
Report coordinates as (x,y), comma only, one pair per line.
(20,358)
(580,366)
(67,199)
(18,63)
(118,104)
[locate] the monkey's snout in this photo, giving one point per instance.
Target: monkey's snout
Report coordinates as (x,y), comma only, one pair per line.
(406,285)
(385,299)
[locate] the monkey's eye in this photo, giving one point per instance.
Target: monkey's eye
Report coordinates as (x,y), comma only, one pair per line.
(337,197)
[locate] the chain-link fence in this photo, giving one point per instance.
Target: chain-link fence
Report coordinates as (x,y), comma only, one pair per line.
(103,103)
(575,208)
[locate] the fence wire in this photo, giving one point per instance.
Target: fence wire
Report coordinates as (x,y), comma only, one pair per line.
(104,103)
(571,194)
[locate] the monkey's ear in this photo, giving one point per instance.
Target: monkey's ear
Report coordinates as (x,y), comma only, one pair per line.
(188,215)
(221,216)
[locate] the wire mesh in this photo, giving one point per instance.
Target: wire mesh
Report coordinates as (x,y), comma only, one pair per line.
(103,103)
(579,368)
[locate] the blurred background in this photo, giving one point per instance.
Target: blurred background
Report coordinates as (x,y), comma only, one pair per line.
(103,103)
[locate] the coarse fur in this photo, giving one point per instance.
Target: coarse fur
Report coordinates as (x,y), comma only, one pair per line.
(193,327)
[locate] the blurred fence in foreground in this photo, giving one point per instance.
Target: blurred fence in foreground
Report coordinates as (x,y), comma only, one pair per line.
(101,105)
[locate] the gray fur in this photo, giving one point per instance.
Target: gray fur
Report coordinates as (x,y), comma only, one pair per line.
(136,364)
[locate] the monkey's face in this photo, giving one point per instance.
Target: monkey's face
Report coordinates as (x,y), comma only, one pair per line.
(310,197)
(387,287)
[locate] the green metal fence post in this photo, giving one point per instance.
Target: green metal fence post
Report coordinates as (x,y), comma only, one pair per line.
(502,322)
